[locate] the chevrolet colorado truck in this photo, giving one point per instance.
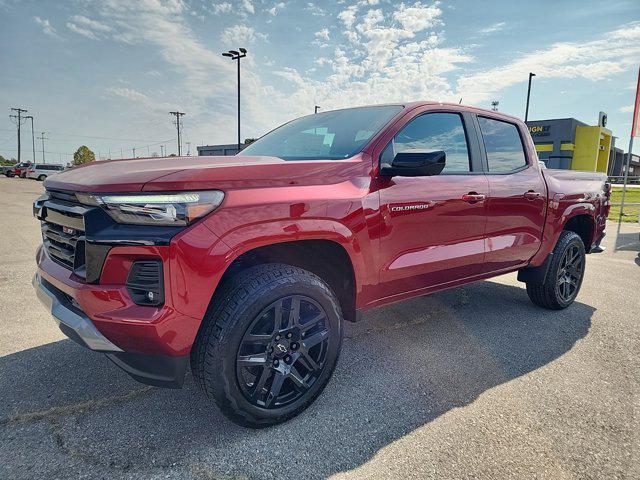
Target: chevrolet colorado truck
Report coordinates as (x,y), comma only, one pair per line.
(244,269)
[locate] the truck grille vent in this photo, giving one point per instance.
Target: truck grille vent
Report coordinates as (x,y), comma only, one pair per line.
(145,282)
(63,237)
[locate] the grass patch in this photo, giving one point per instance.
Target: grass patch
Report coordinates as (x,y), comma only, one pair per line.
(630,211)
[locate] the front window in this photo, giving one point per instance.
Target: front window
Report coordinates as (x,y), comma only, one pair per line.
(433,132)
(324,136)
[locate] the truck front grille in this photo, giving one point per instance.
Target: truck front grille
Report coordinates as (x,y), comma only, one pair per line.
(63,234)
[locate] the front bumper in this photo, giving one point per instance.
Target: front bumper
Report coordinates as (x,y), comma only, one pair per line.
(158,370)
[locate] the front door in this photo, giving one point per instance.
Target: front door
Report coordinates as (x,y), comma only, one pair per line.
(432,229)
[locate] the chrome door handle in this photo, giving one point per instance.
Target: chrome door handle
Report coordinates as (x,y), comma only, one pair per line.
(531,195)
(473,197)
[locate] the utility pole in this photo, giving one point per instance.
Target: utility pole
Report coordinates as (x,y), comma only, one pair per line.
(235,55)
(316,109)
(33,138)
(43,138)
(18,118)
(178,114)
(134,152)
(526,112)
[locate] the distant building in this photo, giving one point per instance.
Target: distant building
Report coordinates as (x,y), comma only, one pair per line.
(219,150)
(570,144)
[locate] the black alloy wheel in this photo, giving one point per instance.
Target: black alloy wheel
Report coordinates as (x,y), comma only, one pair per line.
(283,352)
(268,344)
(564,276)
(570,273)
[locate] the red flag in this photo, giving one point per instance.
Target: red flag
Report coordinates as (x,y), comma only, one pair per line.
(636,111)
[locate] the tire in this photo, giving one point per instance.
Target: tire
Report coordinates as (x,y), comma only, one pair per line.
(241,358)
(42,178)
(564,279)
(9,174)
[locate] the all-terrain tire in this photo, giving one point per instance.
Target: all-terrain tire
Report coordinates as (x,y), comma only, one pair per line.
(549,294)
(236,305)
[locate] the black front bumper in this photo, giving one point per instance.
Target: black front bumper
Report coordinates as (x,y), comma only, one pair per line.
(157,370)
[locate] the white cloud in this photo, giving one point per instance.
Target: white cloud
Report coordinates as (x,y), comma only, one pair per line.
(47,28)
(87,27)
(315,10)
(240,34)
(248,6)
(598,59)
(626,109)
(492,28)
(275,8)
(418,17)
(348,16)
(222,8)
(322,34)
(380,57)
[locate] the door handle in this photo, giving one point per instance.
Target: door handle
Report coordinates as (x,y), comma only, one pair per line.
(473,197)
(531,195)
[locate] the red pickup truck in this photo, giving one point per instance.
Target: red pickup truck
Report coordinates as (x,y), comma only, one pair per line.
(245,268)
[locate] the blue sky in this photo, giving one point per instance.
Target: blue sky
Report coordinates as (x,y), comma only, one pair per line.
(106,73)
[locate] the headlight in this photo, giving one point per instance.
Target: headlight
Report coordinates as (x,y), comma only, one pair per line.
(179,208)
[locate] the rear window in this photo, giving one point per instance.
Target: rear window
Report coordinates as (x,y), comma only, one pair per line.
(503,145)
(331,135)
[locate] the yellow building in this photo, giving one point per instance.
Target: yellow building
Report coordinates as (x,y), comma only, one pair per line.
(568,143)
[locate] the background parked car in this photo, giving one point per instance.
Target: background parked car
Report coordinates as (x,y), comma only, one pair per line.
(40,171)
(19,170)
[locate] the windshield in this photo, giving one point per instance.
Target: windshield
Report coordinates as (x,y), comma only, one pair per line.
(330,135)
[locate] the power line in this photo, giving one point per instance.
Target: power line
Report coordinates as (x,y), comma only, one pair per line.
(178,115)
(18,122)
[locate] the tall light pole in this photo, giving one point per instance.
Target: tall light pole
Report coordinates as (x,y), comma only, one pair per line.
(33,138)
(526,112)
(235,55)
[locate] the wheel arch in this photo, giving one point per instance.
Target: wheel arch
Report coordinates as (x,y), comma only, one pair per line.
(583,225)
(326,258)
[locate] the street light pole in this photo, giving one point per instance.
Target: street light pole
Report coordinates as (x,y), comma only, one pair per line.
(237,55)
(316,109)
(526,112)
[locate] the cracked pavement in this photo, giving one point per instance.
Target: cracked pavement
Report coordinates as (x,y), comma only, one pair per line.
(474,382)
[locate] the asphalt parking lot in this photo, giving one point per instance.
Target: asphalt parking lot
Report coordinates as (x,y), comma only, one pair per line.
(470,383)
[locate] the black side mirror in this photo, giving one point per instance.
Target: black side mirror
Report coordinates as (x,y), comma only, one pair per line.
(415,163)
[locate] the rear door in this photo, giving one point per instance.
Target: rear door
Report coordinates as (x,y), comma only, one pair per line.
(432,228)
(517,200)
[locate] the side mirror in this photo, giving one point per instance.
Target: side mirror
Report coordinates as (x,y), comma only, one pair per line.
(416,163)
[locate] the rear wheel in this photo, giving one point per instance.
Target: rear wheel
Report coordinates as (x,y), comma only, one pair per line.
(564,277)
(269,344)
(42,178)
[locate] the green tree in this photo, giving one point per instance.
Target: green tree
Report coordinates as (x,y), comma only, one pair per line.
(83,155)
(6,161)
(249,141)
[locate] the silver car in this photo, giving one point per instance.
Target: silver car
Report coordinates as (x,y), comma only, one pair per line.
(40,171)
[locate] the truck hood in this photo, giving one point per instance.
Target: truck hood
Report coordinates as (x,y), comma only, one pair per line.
(202,173)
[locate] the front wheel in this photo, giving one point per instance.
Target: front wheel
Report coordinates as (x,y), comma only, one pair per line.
(269,344)
(564,277)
